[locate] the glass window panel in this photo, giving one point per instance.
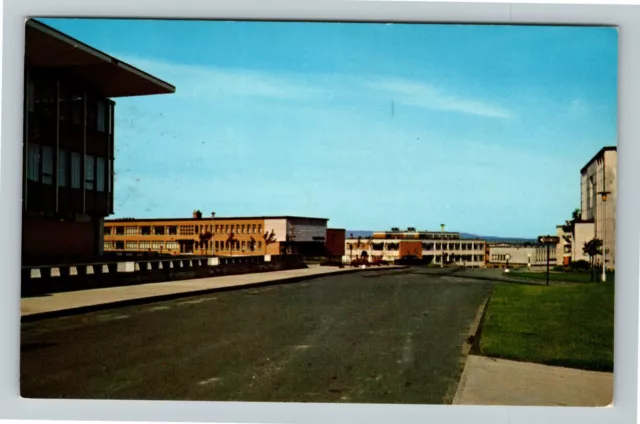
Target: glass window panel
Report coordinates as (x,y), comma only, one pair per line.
(100,172)
(76,174)
(89,172)
(47,165)
(33,162)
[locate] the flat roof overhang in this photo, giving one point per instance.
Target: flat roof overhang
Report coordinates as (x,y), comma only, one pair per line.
(46,47)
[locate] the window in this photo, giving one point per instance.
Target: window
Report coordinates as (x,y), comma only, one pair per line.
(103,116)
(100,164)
(172,245)
(260,229)
(259,245)
(110,118)
(172,230)
(157,245)
(76,162)
(31,95)
(89,172)
(119,231)
(63,159)
(158,230)
(131,245)
(77,108)
(217,229)
(145,245)
(119,245)
(131,231)
(47,165)
(108,245)
(217,244)
(63,104)
(244,245)
(243,229)
(33,162)
(107,231)
(145,230)
(109,174)
(254,228)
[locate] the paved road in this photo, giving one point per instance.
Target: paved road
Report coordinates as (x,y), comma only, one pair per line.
(391,336)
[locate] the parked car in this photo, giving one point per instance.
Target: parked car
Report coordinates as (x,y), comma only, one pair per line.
(408,260)
(359,262)
(379,262)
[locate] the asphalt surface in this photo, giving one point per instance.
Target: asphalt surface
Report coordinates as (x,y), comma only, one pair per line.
(373,337)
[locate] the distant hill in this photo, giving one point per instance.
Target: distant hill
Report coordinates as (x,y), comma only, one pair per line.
(364,234)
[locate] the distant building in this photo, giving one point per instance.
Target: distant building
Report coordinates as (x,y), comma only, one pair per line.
(432,247)
(597,218)
(68,144)
(519,255)
(221,236)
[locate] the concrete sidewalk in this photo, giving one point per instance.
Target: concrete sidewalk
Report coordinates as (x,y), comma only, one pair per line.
(489,381)
(67,303)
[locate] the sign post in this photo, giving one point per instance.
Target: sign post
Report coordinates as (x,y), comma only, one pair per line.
(548,240)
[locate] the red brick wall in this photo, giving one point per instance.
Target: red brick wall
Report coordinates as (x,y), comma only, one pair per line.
(413,248)
(43,239)
(335,241)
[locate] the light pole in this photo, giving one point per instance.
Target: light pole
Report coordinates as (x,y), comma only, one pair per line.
(529,260)
(442,245)
(604,235)
(213,237)
(508,256)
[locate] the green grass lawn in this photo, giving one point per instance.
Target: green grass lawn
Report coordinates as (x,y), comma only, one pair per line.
(569,277)
(569,326)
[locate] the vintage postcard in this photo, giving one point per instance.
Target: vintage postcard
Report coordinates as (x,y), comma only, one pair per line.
(319,212)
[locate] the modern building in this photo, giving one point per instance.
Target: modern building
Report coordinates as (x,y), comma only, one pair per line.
(68,142)
(597,217)
(432,247)
(517,255)
(221,236)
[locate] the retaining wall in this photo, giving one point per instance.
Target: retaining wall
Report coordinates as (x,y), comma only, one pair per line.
(59,278)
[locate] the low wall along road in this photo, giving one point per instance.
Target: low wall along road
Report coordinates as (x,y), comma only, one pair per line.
(52,279)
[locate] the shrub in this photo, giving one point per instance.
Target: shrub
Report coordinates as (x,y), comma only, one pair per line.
(558,268)
(580,265)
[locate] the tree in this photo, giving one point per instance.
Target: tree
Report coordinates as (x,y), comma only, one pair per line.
(269,237)
(231,239)
(592,248)
(252,244)
(205,236)
(575,215)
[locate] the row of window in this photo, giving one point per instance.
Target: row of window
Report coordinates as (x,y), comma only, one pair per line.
(41,101)
(174,245)
(184,230)
(40,168)
(425,246)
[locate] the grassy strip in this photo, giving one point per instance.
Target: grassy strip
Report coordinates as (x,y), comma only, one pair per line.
(569,326)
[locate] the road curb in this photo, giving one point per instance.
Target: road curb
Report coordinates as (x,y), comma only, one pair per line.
(39,316)
(472,345)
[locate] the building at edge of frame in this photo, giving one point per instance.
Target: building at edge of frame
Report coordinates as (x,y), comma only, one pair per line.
(68,143)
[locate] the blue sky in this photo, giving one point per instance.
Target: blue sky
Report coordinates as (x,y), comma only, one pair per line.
(483,128)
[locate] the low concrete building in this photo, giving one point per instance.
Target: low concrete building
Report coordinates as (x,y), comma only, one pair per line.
(432,247)
(520,255)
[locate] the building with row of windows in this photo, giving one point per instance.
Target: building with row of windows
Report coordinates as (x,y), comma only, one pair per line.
(431,247)
(68,142)
(224,236)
